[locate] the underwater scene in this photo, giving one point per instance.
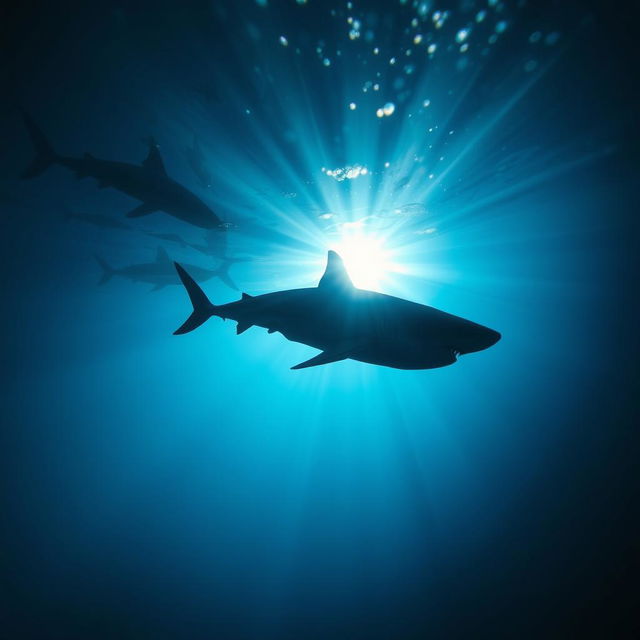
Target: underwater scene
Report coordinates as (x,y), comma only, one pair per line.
(319,320)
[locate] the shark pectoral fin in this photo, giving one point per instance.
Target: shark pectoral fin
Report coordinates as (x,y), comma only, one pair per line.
(143,210)
(326,357)
(242,327)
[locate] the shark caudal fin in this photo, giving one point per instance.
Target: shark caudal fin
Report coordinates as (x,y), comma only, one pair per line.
(202,308)
(45,155)
(107,271)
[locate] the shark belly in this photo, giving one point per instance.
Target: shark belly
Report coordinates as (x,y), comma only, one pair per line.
(405,354)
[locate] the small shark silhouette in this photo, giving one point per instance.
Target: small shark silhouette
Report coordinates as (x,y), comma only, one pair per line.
(345,322)
(148,182)
(161,272)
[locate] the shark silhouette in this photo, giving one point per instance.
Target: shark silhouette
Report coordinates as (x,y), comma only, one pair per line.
(345,322)
(147,182)
(161,272)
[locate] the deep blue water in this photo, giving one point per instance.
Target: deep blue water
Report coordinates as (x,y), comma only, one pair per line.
(194,486)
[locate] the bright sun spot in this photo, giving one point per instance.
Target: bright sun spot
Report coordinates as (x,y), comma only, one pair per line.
(365,258)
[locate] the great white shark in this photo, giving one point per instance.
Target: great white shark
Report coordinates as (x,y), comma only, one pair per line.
(346,322)
(161,272)
(147,182)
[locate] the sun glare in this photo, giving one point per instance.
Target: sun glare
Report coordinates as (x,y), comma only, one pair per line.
(366,260)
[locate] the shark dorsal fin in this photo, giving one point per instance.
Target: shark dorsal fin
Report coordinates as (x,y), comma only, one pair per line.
(162,256)
(246,296)
(335,275)
(153,162)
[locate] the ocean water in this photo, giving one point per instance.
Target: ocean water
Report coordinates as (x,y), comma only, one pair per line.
(476,157)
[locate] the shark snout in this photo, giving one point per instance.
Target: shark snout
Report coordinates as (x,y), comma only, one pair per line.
(491,338)
(478,340)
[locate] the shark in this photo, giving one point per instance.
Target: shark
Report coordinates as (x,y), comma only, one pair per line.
(147,182)
(161,272)
(345,322)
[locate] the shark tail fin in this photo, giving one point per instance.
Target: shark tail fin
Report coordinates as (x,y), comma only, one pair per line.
(202,307)
(107,271)
(45,154)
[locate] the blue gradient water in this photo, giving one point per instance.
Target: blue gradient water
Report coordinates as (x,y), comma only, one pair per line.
(195,486)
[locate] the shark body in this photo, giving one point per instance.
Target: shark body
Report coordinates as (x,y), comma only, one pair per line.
(343,322)
(147,182)
(162,273)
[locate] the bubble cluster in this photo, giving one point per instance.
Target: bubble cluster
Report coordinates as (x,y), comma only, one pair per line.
(396,67)
(462,35)
(439,18)
(411,209)
(354,32)
(386,110)
(350,172)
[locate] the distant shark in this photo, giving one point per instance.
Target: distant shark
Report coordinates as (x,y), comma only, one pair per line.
(147,182)
(162,273)
(345,322)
